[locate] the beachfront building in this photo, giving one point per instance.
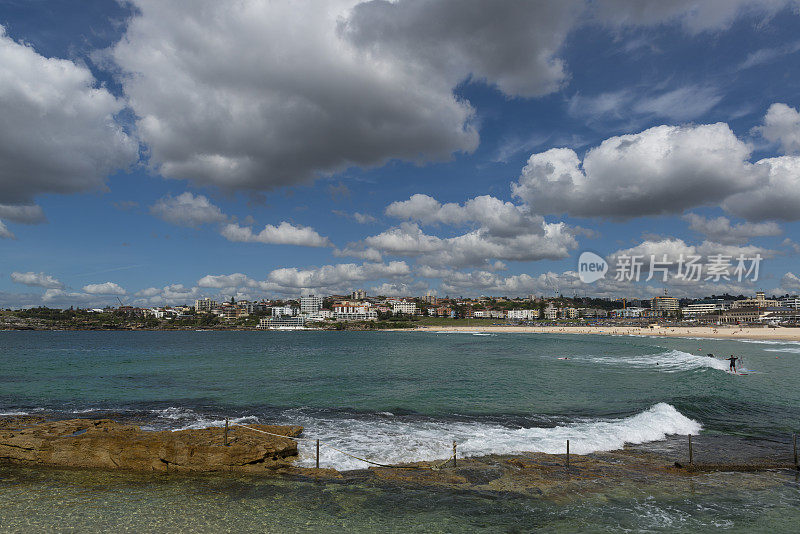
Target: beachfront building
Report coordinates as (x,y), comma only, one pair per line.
(759,302)
(703,308)
(310,304)
(282,322)
(551,313)
(354,311)
(204,305)
(792,302)
(664,304)
(522,315)
(568,313)
(403,307)
(592,312)
(320,315)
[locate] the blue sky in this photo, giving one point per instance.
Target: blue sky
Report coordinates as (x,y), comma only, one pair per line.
(158,154)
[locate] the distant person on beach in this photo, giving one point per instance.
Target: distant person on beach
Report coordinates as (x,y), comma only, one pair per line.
(733,362)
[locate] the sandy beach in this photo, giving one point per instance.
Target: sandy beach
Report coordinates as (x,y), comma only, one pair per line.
(776,334)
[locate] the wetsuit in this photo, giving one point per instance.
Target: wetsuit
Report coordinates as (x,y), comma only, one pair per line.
(733,363)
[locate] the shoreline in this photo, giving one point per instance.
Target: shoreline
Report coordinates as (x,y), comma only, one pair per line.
(751,334)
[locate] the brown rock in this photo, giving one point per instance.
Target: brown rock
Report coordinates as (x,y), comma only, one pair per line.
(105,443)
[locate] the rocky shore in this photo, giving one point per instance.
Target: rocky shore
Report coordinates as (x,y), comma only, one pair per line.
(107,444)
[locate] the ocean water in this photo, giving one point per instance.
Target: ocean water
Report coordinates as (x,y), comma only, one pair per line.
(406,396)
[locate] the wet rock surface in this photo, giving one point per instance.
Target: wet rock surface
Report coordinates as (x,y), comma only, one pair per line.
(107,444)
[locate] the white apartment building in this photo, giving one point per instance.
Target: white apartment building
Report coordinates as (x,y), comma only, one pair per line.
(702,308)
(359,294)
(281,311)
(320,315)
(354,311)
(204,305)
(310,304)
(523,315)
(790,302)
(550,313)
(664,304)
(282,322)
(404,307)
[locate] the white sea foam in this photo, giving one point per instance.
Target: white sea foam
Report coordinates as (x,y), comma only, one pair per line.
(794,350)
(188,419)
(671,361)
(388,441)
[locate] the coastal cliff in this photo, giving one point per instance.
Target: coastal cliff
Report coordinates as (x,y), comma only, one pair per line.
(103,443)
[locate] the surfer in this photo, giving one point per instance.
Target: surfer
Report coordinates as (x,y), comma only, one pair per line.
(733,362)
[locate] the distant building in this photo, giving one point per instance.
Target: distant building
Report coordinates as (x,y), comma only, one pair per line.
(403,306)
(282,322)
(759,302)
(204,305)
(792,302)
(551,313)
(703,308)
(354,311)
(430,298)
(523,315)
(310,304)
(664,304)
(359,294)
(283,311)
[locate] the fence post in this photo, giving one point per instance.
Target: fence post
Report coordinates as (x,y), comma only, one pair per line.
(567,454)
(226,432)
(317,454)
(454,454)
(691,459)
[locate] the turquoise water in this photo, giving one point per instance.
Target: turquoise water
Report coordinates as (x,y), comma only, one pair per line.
(399,396)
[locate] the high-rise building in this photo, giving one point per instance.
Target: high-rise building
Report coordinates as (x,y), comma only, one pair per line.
(204,305)
(359,294)
(310,304)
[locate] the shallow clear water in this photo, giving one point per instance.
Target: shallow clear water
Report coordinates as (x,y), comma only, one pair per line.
(395,396)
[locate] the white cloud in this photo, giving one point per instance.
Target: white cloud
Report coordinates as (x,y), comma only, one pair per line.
(36,280)
(58,133)
(25,214)
(187,210)
(694,15)
(790,283)
(5,233)
(364,218)
(337,276)
(777,194)
(283,234)
(680,104)
(722,231)
(168,295)
(662,170)
(106,288)
(478,247)
(355,250)
(782,125)
(499,218)
(765,55)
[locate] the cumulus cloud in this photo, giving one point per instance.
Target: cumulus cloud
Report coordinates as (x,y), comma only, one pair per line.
(106,288)
(168,295)
(782,126)
(662,170)
(775,196)
(326,278)
(187,210)
(498,217)
(58,133)
(256,95)
(790,283)
(36,280)
(283,234)
(475,248)
(722,231)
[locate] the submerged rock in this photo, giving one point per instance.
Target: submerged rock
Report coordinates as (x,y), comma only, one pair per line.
(103,443)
